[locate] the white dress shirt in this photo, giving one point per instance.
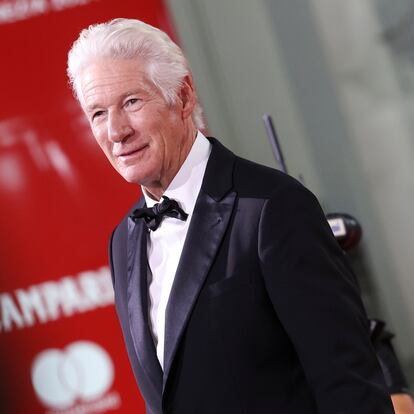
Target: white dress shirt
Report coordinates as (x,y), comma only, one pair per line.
(166,243)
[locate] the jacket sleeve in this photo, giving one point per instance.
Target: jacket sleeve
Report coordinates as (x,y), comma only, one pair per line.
(316,297)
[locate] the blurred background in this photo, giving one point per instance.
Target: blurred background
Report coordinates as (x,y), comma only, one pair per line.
(337,78)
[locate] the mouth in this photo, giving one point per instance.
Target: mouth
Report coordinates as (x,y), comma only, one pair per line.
(129,154)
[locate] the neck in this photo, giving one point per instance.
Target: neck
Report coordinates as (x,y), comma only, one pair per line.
(156,190)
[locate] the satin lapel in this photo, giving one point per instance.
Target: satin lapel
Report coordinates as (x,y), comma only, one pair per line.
(208,225)
(138,302)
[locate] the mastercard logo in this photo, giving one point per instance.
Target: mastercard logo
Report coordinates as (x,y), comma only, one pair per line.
(82,372)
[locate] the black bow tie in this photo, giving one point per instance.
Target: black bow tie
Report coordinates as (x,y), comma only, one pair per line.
(153,216)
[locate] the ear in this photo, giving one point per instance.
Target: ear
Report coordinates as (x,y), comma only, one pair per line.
(187,96)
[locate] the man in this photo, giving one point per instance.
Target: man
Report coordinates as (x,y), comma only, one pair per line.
(238,298)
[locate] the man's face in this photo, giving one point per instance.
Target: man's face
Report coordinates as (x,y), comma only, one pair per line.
(144,138)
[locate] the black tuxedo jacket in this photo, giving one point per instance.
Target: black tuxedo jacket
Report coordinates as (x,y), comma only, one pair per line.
(264,315)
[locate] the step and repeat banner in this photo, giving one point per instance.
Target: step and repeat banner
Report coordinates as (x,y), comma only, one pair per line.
(61,348)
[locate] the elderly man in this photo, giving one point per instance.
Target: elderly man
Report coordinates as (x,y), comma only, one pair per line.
(232,293)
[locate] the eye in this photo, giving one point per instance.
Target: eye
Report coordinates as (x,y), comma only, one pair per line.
(131,101)
(97,114)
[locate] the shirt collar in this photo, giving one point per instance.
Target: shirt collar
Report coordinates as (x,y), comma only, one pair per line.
(186,184)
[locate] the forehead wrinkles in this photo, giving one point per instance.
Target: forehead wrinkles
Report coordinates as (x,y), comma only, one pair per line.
(103,86)
(112,84)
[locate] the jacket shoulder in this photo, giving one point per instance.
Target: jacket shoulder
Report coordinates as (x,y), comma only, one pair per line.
(117,240)
(123,224)
(256,180)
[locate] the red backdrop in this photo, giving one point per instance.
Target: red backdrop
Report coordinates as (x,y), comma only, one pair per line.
(61,349)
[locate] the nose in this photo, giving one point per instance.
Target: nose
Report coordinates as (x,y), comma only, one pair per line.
(119,127)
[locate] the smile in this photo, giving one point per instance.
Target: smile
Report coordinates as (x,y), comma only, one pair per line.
(127,155)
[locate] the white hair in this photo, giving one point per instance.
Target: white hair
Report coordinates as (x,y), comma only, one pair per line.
(165,62)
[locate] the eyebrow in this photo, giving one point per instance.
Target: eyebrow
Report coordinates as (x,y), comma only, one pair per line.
(91,108)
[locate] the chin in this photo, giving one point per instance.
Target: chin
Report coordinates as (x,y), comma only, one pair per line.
(128,176)
(133,176)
